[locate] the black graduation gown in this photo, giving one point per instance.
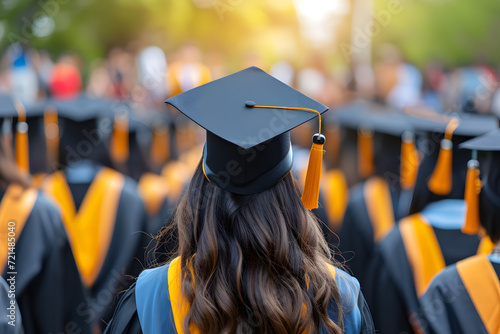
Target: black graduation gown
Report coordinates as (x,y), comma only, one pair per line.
(10,316)
(360,229)
(48,285)
(464,298)
(153,190)
(125,256)
(391,288)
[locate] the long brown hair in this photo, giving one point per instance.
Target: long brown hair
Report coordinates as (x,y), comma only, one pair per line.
(259,262)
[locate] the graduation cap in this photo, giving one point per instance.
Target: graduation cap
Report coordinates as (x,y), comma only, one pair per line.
(455,124)
(10,109)
(142,137)
(248,116)
(368,118)
(72,127)
(489,142)
(158,124)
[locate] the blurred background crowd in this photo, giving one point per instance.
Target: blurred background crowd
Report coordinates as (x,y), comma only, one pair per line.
(58,57)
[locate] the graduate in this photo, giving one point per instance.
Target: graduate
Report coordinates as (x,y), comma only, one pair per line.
(430,238)
(101,208)
(387,159)
(251,256)
(340,156)
(465,297)
(42,142)
(47,282)
(140,143)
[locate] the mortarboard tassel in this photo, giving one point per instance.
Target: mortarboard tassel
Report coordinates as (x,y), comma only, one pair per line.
(310,193)
(472,190)
(409,161)
(365,153)
(22,146)
(119,141)
(160,145)
(440,182)
(51,129)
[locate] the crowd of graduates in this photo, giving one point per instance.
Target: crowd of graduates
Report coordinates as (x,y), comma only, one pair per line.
(91,173)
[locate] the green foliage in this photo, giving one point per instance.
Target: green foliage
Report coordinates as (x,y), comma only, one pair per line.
(456,32)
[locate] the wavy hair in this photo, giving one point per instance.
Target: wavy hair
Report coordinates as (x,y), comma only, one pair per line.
(254,263)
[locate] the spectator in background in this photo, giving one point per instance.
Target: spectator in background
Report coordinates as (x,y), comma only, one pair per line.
(283,71)
(65,81)
(188,71)
(23,79)
(434,82)
(122,69)
(398,82)
(151,72)
(100,82)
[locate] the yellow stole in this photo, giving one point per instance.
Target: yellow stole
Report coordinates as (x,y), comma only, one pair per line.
(180,306)
(336,195)
(379,206)
(423,250)
(91,228)
(481,281)
(15,207)
(485,246)
(153,190)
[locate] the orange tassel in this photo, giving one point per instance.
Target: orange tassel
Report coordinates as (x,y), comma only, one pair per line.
(409,161)
(440,182)
(365,153)
(22,145)
(160,145)
(119,141)
(310,195)
(472,190)
(51,127)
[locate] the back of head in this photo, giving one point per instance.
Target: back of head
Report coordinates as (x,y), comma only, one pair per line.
(422,195)
(489,198)
(256,261)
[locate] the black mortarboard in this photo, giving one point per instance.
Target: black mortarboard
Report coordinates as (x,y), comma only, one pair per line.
(376,117)
(248,147)
(84,124)
(393,135)
(15,110)
(469,125)
(456,127)
(488,142)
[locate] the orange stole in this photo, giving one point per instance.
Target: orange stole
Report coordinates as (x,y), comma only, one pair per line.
(16,206)
(91,228)
(153,190)
(422,250)
(180,306)
(336,195)
(485,246)
(160,146)
(481,281)
(379,206)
